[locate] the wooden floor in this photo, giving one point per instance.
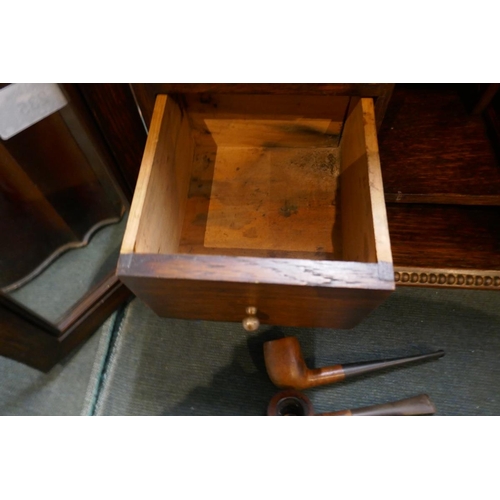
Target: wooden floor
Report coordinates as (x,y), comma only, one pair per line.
(441,181)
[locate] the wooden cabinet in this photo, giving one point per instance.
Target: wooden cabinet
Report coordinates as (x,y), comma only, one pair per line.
(273,202)
(441,169)
(211,235)
(64,176)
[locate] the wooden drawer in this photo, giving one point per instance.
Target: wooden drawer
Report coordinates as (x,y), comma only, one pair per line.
(267,201)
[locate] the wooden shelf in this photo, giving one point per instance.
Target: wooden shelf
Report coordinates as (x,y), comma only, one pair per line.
(433,151)
(444,236)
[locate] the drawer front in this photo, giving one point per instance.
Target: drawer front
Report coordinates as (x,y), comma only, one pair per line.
(284,292)
(276,304)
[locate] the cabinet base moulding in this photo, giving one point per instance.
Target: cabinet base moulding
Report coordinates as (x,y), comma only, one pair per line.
(447,278)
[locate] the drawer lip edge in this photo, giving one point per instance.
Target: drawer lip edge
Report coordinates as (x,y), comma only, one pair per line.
(291,272)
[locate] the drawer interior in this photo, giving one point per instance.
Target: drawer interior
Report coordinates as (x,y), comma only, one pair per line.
(269,201)
(261,176)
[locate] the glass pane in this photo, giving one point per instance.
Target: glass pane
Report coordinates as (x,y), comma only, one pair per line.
(62,216)
(62,284)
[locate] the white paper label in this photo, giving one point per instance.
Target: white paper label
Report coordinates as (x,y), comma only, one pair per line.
(24,104)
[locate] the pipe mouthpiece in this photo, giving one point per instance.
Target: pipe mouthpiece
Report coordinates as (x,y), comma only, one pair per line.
(353,369)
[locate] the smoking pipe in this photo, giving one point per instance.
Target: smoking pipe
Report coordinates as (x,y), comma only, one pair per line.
(287,369)
(294,403)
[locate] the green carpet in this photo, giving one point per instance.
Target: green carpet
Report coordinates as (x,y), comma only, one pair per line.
(175,367)
(140,364)
(70,388)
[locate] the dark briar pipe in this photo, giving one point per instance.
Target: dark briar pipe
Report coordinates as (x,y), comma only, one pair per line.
(294,403)
(287,369)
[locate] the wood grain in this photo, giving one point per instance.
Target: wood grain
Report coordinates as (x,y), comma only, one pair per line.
(146,93)
(433,151)
(295,293)
(256,270)
(266,120)
(232,190)
(365,236)
(492,119)
(277,133)
(116,114)
(157,211)
(444,236)
(196,215)
(485,98)
(265,106)
(273,199)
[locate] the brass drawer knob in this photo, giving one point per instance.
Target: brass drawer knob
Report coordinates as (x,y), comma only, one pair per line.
(251,322)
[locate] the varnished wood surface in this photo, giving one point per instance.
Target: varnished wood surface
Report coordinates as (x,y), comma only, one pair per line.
(445,236)
(25,342)
(417,405)
(287,369)
(367,89)
(83,322)
(492,118)
(298,272)
(265,106)
(216,292)
(485,98)
(28,341)
(118,120)
(433,151)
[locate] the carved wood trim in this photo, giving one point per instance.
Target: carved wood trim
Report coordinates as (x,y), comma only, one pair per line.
(447,278)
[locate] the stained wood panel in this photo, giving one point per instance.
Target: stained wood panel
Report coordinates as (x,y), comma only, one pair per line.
(285,292)
(433,151)
(117,115)
(444,236)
